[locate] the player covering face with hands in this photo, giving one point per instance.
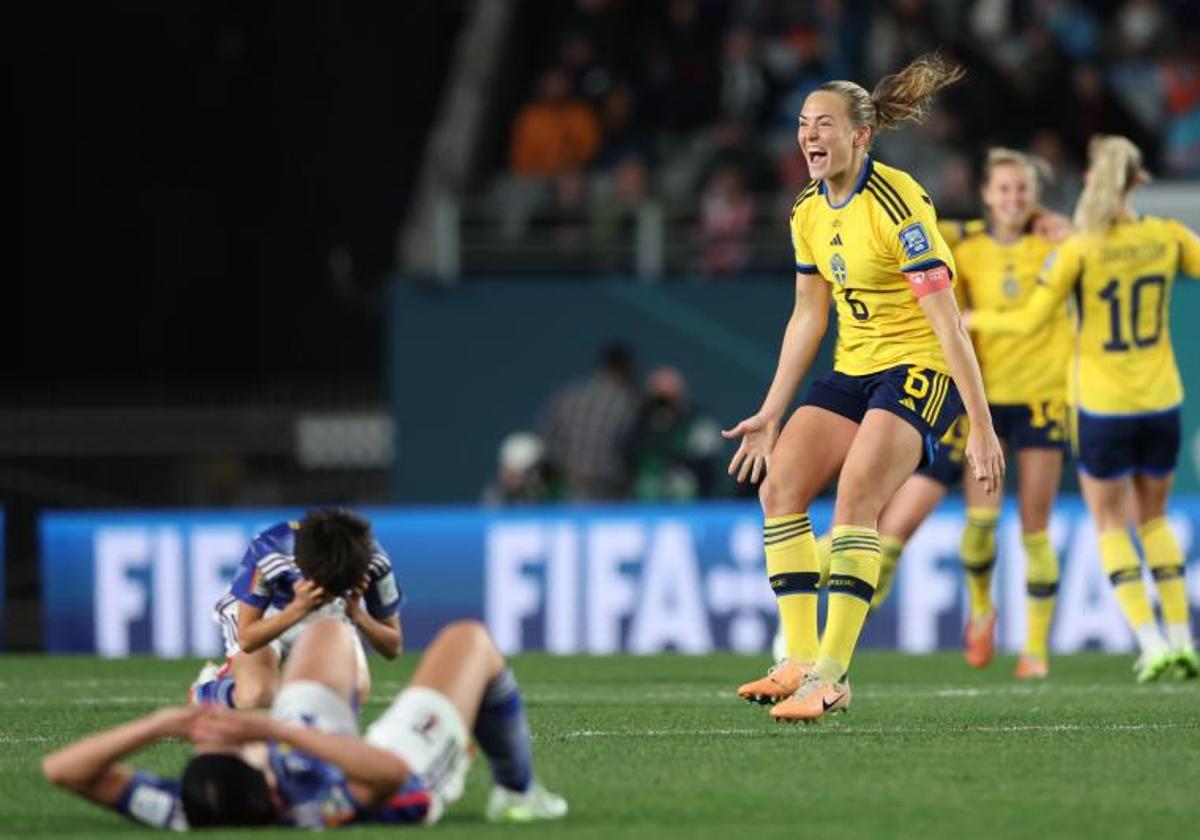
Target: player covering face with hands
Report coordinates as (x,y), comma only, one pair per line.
(327,564)
(866,235)
(304,765)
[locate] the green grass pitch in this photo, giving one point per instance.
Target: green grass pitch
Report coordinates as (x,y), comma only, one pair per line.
(660,747)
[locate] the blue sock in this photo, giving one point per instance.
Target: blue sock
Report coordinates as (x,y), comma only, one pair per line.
(218,692)
(503,733)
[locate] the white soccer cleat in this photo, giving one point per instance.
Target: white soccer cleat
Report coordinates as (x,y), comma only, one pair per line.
(208,672)
(533,805)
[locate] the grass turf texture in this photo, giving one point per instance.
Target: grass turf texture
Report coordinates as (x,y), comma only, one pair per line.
(661,747)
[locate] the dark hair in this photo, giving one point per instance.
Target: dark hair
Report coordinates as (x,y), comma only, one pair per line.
(221,789)
(333,548)
(616,357)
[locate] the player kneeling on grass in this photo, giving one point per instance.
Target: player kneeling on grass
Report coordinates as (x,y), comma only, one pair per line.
(303,764)
(328,563)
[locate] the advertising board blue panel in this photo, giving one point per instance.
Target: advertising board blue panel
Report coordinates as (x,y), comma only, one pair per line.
(604,579)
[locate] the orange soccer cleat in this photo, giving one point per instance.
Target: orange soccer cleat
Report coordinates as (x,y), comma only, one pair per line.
(815,698)
(980,640)
(1031,667)
(782,680)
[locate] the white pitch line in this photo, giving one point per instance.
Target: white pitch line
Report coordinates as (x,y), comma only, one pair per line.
(850,729)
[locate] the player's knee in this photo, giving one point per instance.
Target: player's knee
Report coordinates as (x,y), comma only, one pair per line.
(465,631)
(779,497)
(250,695)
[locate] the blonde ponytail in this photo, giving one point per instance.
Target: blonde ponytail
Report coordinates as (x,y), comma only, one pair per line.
(898,98)
(1115,168)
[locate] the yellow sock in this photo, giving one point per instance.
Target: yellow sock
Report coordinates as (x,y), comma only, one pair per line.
(823,550)
(1121,563)
(890,549)
(853,573)
(1166,564)
(1041,586)
(978,551)
(793,569)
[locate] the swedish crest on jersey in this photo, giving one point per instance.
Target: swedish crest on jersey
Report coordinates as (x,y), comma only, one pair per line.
(837,265)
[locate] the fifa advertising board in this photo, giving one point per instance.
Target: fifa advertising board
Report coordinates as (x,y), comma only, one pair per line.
(598,579)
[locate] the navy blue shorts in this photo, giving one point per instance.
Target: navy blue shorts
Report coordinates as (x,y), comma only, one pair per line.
(1038,425)
(1113,447)
(947,465)
(925,398)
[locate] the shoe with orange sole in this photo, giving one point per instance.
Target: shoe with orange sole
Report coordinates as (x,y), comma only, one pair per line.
(979,640)
(1030,667)
(816,698)
(782,680)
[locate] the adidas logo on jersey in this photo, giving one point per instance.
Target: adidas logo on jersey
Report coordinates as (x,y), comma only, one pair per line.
(908,403)
(837,240)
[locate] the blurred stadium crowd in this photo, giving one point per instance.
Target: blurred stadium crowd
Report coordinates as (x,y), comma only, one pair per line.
(692,104)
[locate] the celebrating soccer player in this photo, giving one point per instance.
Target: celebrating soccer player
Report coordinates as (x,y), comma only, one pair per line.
(867,234)
(303,765)
(328,563)
(1120,268)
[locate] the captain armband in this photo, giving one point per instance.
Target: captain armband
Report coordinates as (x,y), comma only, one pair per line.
(928,280)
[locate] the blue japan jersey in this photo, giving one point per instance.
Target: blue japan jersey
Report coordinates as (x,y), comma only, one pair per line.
(315,794)
(153,801)
(268,572)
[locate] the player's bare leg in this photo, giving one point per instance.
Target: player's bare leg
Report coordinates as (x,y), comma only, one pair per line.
(807,456)
(978,550)
(1039,472)
(256,678)
(883,455)
(1108,503)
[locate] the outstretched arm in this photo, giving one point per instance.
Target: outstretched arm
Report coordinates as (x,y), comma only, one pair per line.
(983,447)
(90,767)
(801,340)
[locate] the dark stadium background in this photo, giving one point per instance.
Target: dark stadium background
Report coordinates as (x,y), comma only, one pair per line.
(210,203)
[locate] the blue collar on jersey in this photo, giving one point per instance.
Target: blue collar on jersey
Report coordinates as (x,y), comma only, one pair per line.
(868,167)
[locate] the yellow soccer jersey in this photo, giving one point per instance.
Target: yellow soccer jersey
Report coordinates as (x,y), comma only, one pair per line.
(1000,277)
(888,226)
(1121,281)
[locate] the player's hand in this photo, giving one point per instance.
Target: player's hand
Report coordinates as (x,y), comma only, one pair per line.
(758,435)
(1051,226)
(354,599)
(215,725)
(985,457)
(308,596)
(176,721)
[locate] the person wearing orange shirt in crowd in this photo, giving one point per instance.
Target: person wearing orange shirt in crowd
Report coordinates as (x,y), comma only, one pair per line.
(555,132)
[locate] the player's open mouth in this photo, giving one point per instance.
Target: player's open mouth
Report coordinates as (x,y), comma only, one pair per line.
(816,155)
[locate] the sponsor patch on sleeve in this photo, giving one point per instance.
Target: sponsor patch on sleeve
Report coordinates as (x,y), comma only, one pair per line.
(915,240)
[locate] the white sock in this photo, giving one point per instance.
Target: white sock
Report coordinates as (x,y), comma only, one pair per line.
(1179,637)
(1149,639)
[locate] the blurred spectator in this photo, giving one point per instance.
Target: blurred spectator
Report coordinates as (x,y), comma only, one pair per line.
(743,80)
(565,220)
(619,198)
(587,426)
(1062,190)
(523,475)
(555,132)
(622,135)
(726,218)
(674,446)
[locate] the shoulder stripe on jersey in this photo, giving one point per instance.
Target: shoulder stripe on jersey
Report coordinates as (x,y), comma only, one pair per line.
(883,202)
(809,189)
(893,192)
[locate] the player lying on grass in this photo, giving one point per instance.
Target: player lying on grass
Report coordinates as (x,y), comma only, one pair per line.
(328,563)
(303,764)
